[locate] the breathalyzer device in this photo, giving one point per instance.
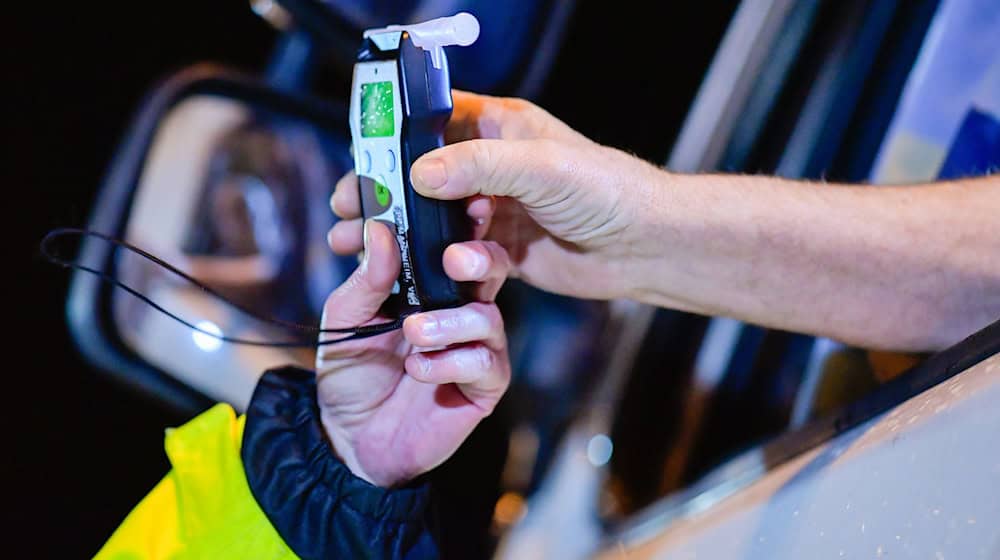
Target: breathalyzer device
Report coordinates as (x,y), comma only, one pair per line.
(400,104)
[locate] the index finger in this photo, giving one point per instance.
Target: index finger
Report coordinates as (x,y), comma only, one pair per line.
(484,262)
(464,122)
(483,116)
(346,200)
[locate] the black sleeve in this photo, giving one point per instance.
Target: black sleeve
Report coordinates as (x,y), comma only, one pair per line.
(316,504)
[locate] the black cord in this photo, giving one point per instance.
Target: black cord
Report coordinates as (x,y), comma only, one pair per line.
(355,333)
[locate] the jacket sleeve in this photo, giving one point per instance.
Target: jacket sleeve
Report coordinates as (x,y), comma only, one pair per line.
(317,505)
(267,485)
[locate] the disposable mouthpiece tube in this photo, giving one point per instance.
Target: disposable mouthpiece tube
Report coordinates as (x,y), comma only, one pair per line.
(461,29)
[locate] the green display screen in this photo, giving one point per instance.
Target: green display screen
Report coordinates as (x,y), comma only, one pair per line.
(377,109)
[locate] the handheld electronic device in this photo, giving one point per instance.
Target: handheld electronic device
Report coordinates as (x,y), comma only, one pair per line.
(400,104)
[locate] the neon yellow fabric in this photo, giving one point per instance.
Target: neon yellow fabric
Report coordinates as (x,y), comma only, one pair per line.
(203,508)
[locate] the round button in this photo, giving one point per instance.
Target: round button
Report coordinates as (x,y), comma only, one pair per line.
(382,193)
(390,160)
(366,161)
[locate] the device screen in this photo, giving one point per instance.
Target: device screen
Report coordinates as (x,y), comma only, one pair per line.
(377,109)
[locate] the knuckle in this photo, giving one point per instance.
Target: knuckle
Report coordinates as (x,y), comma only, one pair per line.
(518,106)
(482,156)
(351,284)
(559,164)
(492,247)
(486,161)
(493,318)
(522,118)
(483,358)
(419,367)
(487,409)
(546,161)
(498,255)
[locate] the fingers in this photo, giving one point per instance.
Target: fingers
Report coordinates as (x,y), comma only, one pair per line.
(346,200)
(480,209)
(476,355)
(346,237)
(484,262)
(479,367)
(473,322)
(509,118)
(358,299)
(483,116)
(465,113)
(346,203)
(532,171)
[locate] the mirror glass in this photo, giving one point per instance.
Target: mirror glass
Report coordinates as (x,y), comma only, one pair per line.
(237,197)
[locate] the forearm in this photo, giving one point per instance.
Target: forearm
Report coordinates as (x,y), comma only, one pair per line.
(905,268)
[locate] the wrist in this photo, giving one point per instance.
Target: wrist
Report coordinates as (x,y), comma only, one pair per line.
(344,449)
(303,490)
(648,240)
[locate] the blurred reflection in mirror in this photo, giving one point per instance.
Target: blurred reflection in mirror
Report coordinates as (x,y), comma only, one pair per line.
(237,198)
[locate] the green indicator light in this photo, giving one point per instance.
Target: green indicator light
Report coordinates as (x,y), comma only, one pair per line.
(382,194)
(377,110)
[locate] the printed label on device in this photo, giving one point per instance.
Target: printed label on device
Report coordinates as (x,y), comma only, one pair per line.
(376,126)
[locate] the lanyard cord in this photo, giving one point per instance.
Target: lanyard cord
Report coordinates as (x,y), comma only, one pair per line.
(353,333)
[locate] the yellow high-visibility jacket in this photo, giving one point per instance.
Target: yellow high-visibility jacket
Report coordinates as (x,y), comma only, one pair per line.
(203,508)
(268,486)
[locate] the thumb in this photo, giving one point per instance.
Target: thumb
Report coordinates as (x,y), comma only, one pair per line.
(531,171)
(358,299)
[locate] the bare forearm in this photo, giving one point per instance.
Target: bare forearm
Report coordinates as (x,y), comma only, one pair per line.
(905,268)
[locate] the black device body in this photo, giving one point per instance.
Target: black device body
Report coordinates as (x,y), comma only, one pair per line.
(424,96)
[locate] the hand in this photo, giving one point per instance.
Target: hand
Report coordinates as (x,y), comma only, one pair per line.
(397,405)
(565,208)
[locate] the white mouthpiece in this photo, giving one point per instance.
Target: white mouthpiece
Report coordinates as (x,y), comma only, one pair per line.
(461,29)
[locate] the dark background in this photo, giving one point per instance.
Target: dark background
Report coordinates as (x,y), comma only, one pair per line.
(85,449)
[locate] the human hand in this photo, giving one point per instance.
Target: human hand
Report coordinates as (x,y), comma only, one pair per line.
(397,405)
(567,210)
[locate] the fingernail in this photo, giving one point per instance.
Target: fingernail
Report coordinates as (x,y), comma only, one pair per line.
(366,235)
(423,365)
(475,262)
(429,327)
(430,173)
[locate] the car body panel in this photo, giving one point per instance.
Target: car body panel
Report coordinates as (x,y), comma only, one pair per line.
(920,481)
